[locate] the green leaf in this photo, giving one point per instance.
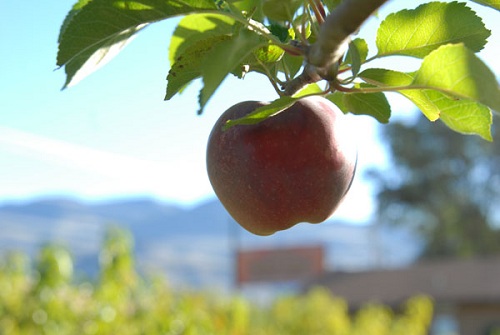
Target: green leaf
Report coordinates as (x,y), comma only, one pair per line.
(425,101)
(308,90)
(224,58)
(419,31)
(390,78)
(269,53)
(264,112)
(280,10)
(490,3)
(464,116)
(290,64)
(384,77)
(74,10)
(194,37)
(373,104)
(188,65)
(244,5)
(457,71)
(280,31)
(356,55)
(93,34)
(196,28)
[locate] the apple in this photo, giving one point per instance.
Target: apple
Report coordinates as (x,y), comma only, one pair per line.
(293,167)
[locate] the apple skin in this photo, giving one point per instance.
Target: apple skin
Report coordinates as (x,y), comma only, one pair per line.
(293,167)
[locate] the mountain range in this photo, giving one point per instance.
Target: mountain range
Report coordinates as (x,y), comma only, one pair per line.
(192,246)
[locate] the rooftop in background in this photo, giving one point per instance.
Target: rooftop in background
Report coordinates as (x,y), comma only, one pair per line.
(451,281)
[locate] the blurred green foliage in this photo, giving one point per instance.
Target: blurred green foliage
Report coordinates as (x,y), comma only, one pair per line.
(45,298)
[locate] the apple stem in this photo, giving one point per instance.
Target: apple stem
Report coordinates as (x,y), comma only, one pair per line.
(323,56)
(308,76)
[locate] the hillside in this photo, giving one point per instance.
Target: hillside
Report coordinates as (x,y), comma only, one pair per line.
(193,246)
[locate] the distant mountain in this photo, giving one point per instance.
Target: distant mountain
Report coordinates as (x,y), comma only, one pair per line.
(193,246)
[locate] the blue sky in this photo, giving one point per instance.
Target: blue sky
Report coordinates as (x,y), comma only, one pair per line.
(112,135)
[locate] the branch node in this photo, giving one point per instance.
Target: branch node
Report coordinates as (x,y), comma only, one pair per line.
(322,57)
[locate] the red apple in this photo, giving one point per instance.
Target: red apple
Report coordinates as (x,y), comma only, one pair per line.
(293,167)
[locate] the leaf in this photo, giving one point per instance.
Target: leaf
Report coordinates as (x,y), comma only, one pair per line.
(464,116)
(419,31)
(188,65)
(196,28)
(193,38)
(95,33)
(74,10)
(280,31)
(455,70)
(384,77)
(308,90)
(373,104)
(290,64)
(390,78)
(224,58)
(244,5)
(280,10)
(264,112)
(356,55)
(490,3)
(269,53)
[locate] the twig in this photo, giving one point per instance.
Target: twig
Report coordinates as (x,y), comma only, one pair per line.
(318,9)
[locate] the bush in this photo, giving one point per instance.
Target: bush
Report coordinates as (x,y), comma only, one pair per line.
(45,299)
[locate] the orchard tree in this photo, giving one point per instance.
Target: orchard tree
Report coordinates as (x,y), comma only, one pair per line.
(275,164)
(442,185)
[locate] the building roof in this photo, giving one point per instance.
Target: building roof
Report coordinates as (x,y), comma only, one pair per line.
(450,281)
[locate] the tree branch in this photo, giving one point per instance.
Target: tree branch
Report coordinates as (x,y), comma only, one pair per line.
(344,21)
(322,56)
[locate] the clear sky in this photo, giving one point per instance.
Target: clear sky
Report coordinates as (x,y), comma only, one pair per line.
(112,135)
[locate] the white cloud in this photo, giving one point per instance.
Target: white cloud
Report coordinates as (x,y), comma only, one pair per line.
(111,172)
(75,156)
